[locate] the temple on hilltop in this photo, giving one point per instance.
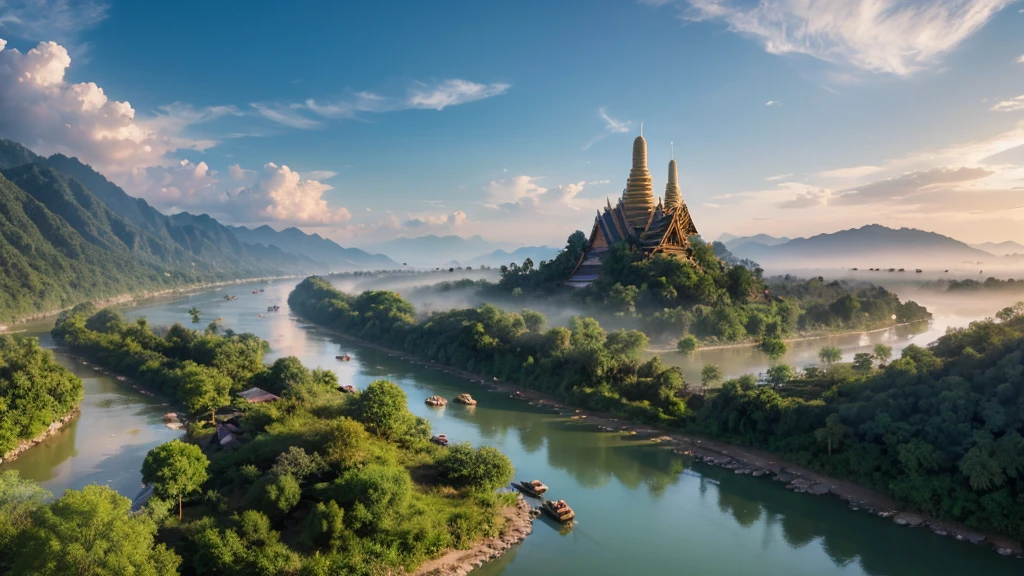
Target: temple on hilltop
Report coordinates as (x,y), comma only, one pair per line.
(652,228)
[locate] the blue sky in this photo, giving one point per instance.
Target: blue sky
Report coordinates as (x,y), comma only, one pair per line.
(365,121)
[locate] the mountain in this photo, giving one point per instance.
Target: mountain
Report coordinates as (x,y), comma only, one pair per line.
(734,243)
(869,246)
(434,250)
(1001,248)
(500,257)
(313,246)
(67,234)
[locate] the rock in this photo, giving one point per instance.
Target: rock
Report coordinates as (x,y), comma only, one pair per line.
(908,519)
(758,473)
(1004,551)
(801,483)
(939,531)
(818,489)
(784,477)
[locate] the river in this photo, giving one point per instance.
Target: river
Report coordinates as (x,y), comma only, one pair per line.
(641,509)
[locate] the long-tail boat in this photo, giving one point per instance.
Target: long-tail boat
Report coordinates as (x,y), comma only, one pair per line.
(559,510)
(532,488)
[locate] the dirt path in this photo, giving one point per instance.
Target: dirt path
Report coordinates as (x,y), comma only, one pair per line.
(740,459)
(518,525)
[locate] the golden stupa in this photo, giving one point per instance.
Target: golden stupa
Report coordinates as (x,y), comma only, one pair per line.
(635,220)
(639,195)
(673,196)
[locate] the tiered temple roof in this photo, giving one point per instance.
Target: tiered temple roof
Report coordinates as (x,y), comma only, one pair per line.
(661,229)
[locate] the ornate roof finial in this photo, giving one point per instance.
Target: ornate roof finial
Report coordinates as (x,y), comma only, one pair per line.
(672,145)
(641,128)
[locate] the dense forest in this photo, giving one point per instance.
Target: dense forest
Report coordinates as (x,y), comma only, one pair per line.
(716,297)
(35,391)
(318,482)
(582,363)
(940,428)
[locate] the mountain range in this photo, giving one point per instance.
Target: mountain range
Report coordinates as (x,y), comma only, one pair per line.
(873,245)
(1000,248)
(430,251)
(67,234)
(500,257)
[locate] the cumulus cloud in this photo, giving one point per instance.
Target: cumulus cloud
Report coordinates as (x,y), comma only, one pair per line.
(897,37)
(182,186)
(436,221)
(236,172)
(40,109)
(1011,105)
(282,195)
(524,193)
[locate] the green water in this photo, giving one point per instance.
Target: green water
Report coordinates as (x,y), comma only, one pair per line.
(640,508)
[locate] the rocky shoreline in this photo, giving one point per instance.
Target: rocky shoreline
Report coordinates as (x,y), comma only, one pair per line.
(52,429)
(518,525)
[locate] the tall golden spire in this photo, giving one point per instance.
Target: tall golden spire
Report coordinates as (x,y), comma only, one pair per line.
(639,195)
(673,196)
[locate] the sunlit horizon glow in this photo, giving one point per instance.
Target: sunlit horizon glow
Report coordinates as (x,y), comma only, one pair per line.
(788,118)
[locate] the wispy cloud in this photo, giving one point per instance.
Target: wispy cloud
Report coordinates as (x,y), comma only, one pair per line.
(321,174)
(1020,59)
(421,96)
(611,126)
(778,177)
(773,103)
(1011,105)
(55,20)
(286,115)
(897,37)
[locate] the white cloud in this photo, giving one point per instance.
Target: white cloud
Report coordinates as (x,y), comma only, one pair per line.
(282,195)
(437,222)
(58,20)
(1011,105)
(421,96)
(773,103)
(778,177)
(286,115)
(611,126)
(179,187)
(885,36)
(40,109)
(1020,60)
(452,93)
(524,193)
(236,172)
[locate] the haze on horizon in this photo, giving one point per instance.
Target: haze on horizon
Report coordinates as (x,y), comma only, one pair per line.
(788,118)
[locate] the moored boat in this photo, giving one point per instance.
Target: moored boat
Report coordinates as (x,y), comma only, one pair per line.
(273,308)
(440,440)
(347,388)
(465,399)
(532,488)
(559,510)
(343,357)
(436,401)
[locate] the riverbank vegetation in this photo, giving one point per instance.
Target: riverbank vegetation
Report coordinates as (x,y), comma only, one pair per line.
(939,428)
(35,391)
(318,482)
(581,363)
(990,284)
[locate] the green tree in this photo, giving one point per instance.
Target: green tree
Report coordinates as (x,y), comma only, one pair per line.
(175,470)
(1011,312)
(203,389)
(883,352)
(296,462)
(90,532)
(19,500)
(194,313)
(383,408)
(484,468)
(373,496)
(276,494)
(710,375)
(780,374)
(250,549)
(829,355)
(862,361)
(687,344)
(774,348)
(535,321)
(833,433)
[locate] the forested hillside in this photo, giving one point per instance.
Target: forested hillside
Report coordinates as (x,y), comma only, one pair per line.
(68,235)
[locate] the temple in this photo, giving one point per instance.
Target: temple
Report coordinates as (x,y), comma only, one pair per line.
(662,228)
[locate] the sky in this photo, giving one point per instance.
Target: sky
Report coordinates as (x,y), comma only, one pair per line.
(366,121)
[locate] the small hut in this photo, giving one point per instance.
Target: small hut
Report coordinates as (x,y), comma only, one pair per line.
(256,395)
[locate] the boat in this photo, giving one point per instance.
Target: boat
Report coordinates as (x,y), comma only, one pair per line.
(348,389)
(465,399)
(255,291)
(559,510)
(261,289)
(273,308)
(436,401)
(343,357)
(918,270)
(532,488)
(230,297)
(440,440)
